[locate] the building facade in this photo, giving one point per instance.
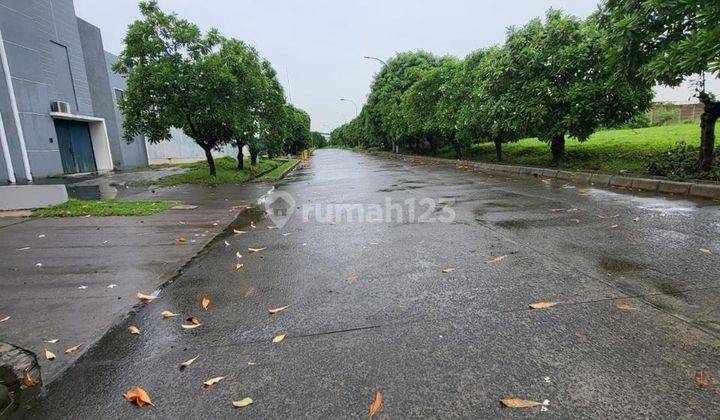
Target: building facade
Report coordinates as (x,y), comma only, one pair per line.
(57,103)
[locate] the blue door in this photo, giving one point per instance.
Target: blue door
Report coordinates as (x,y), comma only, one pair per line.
(76,151)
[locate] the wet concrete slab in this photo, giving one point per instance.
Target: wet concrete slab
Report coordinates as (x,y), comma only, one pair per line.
(371,310)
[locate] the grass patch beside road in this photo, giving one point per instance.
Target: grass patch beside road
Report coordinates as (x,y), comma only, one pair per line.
(77,208)
(625,151)
(227,173)
(275,173)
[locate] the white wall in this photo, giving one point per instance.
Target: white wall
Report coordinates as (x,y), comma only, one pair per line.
(183,149)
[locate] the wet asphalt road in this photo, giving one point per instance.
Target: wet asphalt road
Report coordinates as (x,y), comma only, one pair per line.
(440,345)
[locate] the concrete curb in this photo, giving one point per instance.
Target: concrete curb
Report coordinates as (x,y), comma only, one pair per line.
(711,191)
(288,170)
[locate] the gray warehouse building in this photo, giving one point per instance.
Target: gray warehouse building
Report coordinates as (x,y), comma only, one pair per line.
(58,95)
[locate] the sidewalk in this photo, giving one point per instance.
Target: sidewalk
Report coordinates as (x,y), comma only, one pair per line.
(71,279)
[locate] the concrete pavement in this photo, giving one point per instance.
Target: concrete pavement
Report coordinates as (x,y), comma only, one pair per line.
(72,279)
(636,278)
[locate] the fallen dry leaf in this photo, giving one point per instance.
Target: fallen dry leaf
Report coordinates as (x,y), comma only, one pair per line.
(705,250)
(519,403)
(182,240)
(243,403)
(276,310)
(238,254)
(193,320)
(252,225)
(542,305)
(582,337)
(256,249)
(213,381)
(602,216)
(352,279)
(188,362)
(614,226)
(626,307)
(375,406)
(5,319)
(205,302)
(27,379)
(495,260)
(53,341)
(49,355)
(239,266)
(134,330)
(249,292)
(146,298)
(239,232)
(278,338)
(167,314)
(138,396)
(701,379)
(72,349)
(448,270)
(190,326)
(575,220)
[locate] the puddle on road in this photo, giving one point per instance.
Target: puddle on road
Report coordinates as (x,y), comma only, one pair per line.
(92,192)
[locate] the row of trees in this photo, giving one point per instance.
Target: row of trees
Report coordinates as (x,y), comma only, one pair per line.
(218,90)
(553,78)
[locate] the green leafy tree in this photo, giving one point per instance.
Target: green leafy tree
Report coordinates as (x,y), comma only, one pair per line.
(318,140)
(559,83)
(666,41)
(271,116)
(176,78)
(298,126)
(386,124)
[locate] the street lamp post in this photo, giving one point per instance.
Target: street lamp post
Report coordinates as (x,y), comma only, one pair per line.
(352,102)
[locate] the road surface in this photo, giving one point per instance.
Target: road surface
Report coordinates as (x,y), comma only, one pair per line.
(636,280)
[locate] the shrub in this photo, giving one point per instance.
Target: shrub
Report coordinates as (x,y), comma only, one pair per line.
(680,162)
(665,116)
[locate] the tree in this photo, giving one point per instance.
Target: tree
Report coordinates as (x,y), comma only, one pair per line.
(298,125)
(271,115)
(244,63)
(385,122)
(176,78)
(559,82)
(317,139)
(666,41)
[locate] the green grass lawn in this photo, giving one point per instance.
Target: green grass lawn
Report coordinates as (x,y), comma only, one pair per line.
(227,173)
(275,173)
(609,151)
(76,208)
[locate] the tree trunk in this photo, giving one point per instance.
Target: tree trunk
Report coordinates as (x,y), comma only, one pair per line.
(498,149)
(707,133)
(456,146)
(240,157)
(253,156)
(210,161)
(557,147)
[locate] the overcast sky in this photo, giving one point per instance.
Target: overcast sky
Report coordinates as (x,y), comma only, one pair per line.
(317,46)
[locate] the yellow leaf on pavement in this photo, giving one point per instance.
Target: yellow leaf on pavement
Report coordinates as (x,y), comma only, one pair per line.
(238,254)
(213,381)
(252,225)
(49,355)
(138,396)
(167,314)
(182,240)
(626,307)
(53,341)
(134,330)
(278,338)
(5,319)
(72,349)
(239,266)
(238,232)
(448,270)
(276,310)
(542,305)
(188,362)
(243,403)
(190,326)
(495,260)
(256,249)
(29,382)
(519,403)
(351,279)
(705,250)
(146,298)
(375,406)
(205,302)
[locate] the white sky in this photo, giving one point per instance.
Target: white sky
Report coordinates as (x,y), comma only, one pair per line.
(317,46)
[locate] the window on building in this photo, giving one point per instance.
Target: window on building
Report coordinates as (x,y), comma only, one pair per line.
(119,95)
